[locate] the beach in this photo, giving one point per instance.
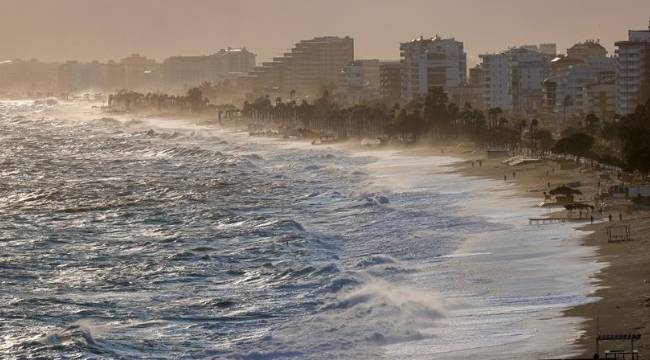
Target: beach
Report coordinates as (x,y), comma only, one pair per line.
(622,300)
(277,248)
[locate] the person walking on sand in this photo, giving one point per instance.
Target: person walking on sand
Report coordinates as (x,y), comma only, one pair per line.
(620,217)
(610,217)
(591,218)
(505,177)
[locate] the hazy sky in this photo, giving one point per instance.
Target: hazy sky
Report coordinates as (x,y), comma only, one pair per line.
(102,30)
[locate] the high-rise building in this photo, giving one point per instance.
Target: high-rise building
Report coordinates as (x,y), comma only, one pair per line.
(140,73)
(632,71)
(361,74)
(390,81)
(307,68)
(433,62)
(359,82)
(580,83)
(513,80)
(73,76)
(572,95)
(496,80)
(187,71)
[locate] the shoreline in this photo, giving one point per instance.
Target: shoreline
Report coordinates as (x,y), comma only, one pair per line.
(621,301)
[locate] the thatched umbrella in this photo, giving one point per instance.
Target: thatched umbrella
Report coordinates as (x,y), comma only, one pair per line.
(565,190)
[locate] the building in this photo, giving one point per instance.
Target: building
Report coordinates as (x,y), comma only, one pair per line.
(572,96)
(600,97)
(361,74)
(232,62)
(548,49)
(306,69)
(390,81)
(22,77)
(632,71)
(359,82)
(496,81)
(181,72)
(580,83)
(585,50)
(514,80)
(73,76)
(472,93)
(433,62)
(140,73)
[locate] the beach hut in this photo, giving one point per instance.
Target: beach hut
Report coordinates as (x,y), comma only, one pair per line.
(564,194)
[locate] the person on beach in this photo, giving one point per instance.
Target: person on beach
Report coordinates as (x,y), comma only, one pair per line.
(514,174)
(472,164)
(620,217)
(610,217)
(480,163)
(505,177)
(591,218)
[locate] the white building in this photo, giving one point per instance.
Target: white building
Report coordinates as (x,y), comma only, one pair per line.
(632,71)
(496,81)
(433,62)
(513,80)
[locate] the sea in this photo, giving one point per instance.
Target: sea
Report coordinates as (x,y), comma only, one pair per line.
(135,237)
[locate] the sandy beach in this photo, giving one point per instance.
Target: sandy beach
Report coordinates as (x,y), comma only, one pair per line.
(622,301)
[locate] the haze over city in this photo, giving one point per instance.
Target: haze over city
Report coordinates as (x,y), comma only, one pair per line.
(284,179)
(102,30)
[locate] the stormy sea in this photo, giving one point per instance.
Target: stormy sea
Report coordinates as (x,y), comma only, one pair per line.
(139,237)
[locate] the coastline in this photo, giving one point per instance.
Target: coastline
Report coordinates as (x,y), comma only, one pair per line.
(622,298)
(621,301)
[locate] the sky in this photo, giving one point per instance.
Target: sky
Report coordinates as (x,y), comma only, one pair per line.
(59,30)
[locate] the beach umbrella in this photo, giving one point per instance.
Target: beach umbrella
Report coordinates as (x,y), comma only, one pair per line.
(565,190)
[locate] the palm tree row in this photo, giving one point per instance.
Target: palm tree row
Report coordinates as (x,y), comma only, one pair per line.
(128,100)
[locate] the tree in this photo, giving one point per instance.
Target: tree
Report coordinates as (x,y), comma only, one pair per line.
(591,122)
(634,133)
(577,144)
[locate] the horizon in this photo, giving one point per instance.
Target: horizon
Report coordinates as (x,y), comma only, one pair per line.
(159,29)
